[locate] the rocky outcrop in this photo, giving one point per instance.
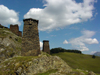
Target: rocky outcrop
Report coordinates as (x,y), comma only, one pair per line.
(40,64)
(45,63)
(35,65)
(10,44)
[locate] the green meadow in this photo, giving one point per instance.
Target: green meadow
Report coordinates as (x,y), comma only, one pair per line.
(81,61)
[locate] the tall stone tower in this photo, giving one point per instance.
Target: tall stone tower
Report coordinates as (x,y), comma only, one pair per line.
(30,39)
(46,46)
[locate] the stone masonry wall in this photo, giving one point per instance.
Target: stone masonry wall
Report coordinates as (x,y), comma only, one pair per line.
(30,39)
(15,30)
(46,46)
(20,33)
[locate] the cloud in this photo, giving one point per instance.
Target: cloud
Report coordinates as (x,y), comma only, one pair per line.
(41,45)
(60,13)
(93,52)
(76,28)
(86,38)
(78,43)
(8,16)
(87,33)
(65,42)
(91,41)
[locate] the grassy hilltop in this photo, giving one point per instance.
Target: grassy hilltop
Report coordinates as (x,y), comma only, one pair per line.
(81,61)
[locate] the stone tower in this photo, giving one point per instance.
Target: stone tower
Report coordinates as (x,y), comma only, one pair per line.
(14,29)
(30,39)
(46,46)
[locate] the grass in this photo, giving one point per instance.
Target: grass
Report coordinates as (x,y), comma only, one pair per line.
(81,61)
(48,72)
(3,33)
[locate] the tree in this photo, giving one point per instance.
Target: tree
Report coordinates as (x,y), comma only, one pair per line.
(93,56)
(59,49)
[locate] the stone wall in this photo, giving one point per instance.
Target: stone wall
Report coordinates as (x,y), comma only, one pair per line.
(20,33)
(15,30)
(46,46)
(30,39)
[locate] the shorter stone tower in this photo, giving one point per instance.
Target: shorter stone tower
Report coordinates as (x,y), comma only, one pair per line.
(46,47)
(15,30)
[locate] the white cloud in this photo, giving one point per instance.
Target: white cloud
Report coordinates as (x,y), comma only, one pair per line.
(41,45)
(78,43)
(86,38)
(65,42)
(60,13)
(93,52)
(91,41)
(88,33)
(8,16)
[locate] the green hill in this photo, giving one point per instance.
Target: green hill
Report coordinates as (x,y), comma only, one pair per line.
(81,61)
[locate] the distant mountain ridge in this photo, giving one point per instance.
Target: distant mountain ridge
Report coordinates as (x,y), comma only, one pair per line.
(97,54)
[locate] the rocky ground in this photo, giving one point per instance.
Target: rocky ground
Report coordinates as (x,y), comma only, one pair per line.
(36,65)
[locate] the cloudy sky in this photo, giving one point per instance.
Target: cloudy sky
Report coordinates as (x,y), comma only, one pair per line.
(70,24)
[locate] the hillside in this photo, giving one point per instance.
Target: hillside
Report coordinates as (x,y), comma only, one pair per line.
(33,65)
(44,64)
(10,44)
(81,61)
(12,63)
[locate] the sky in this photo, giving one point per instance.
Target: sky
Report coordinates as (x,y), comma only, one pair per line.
(70,24)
